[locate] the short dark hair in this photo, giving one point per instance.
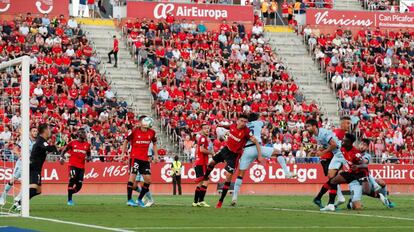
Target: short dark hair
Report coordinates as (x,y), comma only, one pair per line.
(350,137)
(244,116)
(142,117)
(366,141)
(253,117)
(312,122)
(204,124)
(345,118)
(42,127)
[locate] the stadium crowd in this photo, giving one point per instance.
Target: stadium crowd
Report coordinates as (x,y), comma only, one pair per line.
(199,75)
(372,73)
(381,5)
(203,75)
(67,90)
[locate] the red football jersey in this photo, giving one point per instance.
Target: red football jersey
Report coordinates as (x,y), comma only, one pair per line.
(202,158)
(237,138)
(353,157)
(140,141)
(340,134)
(78,152)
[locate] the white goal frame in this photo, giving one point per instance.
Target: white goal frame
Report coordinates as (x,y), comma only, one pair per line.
(24,61)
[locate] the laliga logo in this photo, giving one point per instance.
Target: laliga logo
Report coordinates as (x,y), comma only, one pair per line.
(38,5)
(257,173)
(6,8)
(46,2)
(166,173)
(165,9)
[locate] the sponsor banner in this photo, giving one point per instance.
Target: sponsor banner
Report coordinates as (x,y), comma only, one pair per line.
(161,173)
(197,12)
(335,18)
(51,7)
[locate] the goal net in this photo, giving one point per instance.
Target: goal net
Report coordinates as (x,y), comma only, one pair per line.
(14,137)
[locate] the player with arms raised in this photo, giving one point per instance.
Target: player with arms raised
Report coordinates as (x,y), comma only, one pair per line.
(79,151)
(237,136)
(204,150)
(140,138)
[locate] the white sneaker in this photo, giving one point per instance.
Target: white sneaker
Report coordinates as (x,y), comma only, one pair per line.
(2,201)
(340,201)
(149,203)
(384,200)
(16,207)
(330,207)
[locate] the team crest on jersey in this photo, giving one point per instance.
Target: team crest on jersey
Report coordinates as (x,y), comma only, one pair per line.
(45,144)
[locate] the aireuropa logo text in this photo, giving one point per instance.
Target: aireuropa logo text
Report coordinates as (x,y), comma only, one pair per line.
(162,10)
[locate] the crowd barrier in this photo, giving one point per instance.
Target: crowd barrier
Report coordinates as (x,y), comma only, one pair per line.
(111,178)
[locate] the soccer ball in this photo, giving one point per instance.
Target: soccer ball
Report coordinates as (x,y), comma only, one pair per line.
(147,122)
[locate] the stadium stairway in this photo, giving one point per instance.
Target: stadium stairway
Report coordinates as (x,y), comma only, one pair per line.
(126,80)
(347,5)
(300,65)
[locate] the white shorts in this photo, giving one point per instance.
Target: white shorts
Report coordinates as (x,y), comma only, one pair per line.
(250,155)
(337,162)
(356,190)
(82,7)
(17,172)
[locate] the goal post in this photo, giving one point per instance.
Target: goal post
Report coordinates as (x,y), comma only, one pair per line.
(24,107)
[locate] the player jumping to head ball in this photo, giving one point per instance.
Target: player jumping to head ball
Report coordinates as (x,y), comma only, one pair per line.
(237,137)
(140,139)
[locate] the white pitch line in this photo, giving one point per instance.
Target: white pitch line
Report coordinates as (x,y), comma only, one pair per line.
(267,227)
(316,212)
(344,214)
(81,224)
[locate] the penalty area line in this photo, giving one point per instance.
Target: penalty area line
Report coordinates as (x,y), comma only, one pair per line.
(80,224)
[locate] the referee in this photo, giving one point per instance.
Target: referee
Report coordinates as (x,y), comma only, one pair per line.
(38,157)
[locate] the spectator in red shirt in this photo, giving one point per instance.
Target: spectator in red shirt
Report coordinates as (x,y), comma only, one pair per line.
(114,52)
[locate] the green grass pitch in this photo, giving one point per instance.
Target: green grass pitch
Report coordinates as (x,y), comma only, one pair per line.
(254,213)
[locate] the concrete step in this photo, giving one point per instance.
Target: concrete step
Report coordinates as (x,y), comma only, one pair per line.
(294,60)
(291,52)
(122,65)
(104,50)
(301,66)
(107,44)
